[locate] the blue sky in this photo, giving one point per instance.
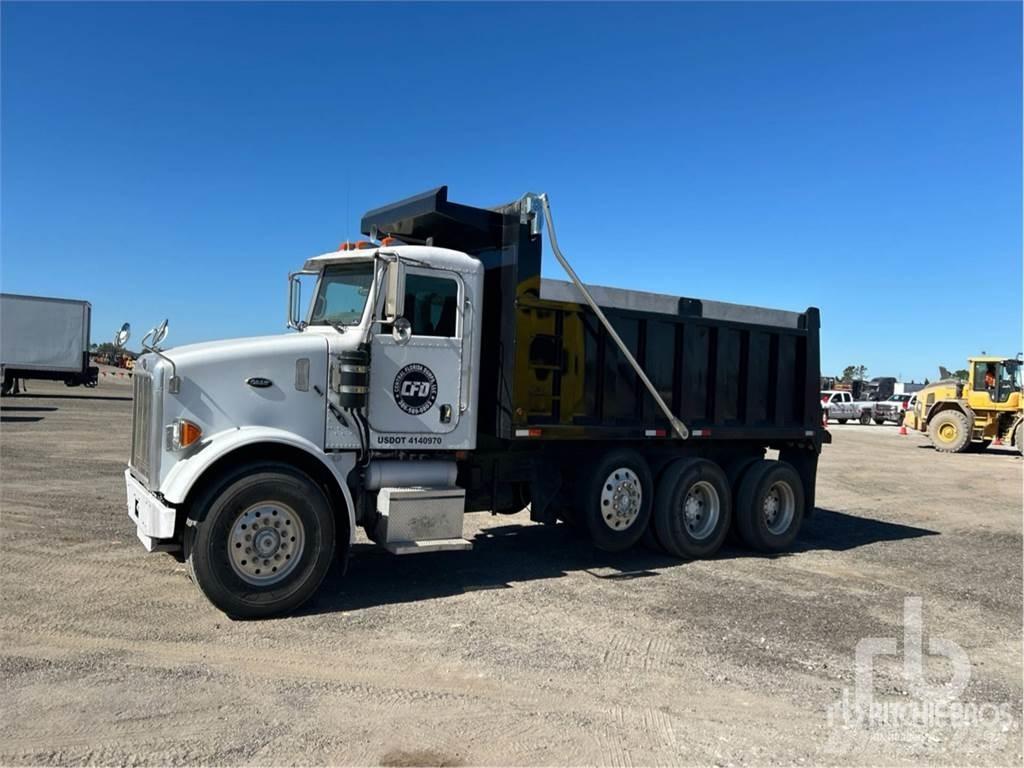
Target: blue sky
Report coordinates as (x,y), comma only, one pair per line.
(179,159)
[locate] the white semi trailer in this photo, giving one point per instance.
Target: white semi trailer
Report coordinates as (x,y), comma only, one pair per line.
(435,373)
(45,338)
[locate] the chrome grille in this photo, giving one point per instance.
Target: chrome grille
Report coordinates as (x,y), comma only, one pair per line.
(142,424)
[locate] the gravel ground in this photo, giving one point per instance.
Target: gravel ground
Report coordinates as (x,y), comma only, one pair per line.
(531,649)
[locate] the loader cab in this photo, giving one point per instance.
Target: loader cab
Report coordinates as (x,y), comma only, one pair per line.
(994,382)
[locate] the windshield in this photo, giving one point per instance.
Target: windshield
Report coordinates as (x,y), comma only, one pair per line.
(899,398)
(342,294)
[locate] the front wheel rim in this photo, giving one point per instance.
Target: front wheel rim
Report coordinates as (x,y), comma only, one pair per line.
(779,507)
(266,543)
(621,499)
(702,508)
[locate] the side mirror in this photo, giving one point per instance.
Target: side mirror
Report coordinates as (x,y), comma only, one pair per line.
(401,331)
(160,333)
(122,336)
(394,295)
(295,300)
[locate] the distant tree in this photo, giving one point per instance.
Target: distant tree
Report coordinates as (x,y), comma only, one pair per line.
(960,373)
(926,382)
(853,373)
(106,349)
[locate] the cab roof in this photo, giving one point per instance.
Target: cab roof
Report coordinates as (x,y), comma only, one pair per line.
(442,258)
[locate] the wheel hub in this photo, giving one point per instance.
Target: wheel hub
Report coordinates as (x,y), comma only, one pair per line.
(621,498)
(701,509)
(265,543)
(779,508)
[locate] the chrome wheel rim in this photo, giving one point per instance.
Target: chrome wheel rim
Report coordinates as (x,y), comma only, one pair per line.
(779,506)
(621,498)
(701,510)
(265,543)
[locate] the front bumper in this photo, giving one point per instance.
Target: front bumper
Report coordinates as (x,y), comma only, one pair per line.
(154,520)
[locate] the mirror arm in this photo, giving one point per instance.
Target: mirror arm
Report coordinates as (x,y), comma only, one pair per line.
(174,384)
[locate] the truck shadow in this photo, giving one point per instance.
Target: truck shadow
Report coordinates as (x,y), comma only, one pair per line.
(513,553)
(48,396)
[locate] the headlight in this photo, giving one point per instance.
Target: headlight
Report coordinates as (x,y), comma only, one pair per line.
(182,433)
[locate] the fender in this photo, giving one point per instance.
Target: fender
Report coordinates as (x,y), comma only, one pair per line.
(187,471)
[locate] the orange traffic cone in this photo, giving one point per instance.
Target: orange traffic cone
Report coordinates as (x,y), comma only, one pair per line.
(903,429)
(997,441)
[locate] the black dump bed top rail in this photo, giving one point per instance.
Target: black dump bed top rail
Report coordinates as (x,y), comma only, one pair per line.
(549,369)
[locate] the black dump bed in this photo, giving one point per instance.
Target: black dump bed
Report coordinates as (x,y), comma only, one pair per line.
(550,370)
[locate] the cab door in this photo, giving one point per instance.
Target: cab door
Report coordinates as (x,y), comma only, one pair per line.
(415,385)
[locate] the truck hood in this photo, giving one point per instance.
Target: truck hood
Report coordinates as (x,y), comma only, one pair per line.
(240,349)
(275,382)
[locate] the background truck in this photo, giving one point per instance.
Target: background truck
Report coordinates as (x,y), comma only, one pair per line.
(839,405)
(968,415)
(436,373)
(45,338)
(893,409)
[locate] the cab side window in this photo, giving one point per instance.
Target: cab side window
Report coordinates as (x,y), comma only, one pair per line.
(980,371)
(431,305)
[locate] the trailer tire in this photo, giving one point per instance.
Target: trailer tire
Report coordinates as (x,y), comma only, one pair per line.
(693,508)
(615,501)
(865,418)
(770,506)
(949,431)
(218,535)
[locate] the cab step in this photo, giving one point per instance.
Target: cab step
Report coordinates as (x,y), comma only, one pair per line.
(429,545)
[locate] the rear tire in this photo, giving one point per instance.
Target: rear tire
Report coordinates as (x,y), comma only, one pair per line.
(770,506)
(841,421)
(949,432)
(615,502)
(282,519)
(1018,438)
(879,421)
(693,508)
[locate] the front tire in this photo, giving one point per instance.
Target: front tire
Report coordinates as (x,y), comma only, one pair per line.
(880,421)
(615,502)
(949,432)
(770,506)
(841,421)
(260,543)
(693,508)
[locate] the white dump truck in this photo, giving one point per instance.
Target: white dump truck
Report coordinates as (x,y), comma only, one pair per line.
(435,373)
(45,338)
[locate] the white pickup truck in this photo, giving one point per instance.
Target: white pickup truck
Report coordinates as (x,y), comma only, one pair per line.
(839,405)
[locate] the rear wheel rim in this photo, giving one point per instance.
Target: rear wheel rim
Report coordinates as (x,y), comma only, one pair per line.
(947,432)
(266,543)
(779,507)
(621,499)
(702,508)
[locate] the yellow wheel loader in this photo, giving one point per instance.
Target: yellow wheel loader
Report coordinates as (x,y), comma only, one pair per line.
(964,416)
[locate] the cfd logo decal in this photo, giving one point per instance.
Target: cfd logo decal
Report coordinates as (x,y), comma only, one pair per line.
(415,389)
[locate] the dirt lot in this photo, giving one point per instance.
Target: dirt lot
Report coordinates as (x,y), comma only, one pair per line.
(532,649)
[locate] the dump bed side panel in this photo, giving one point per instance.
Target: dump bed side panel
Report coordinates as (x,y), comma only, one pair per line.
(735,379)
